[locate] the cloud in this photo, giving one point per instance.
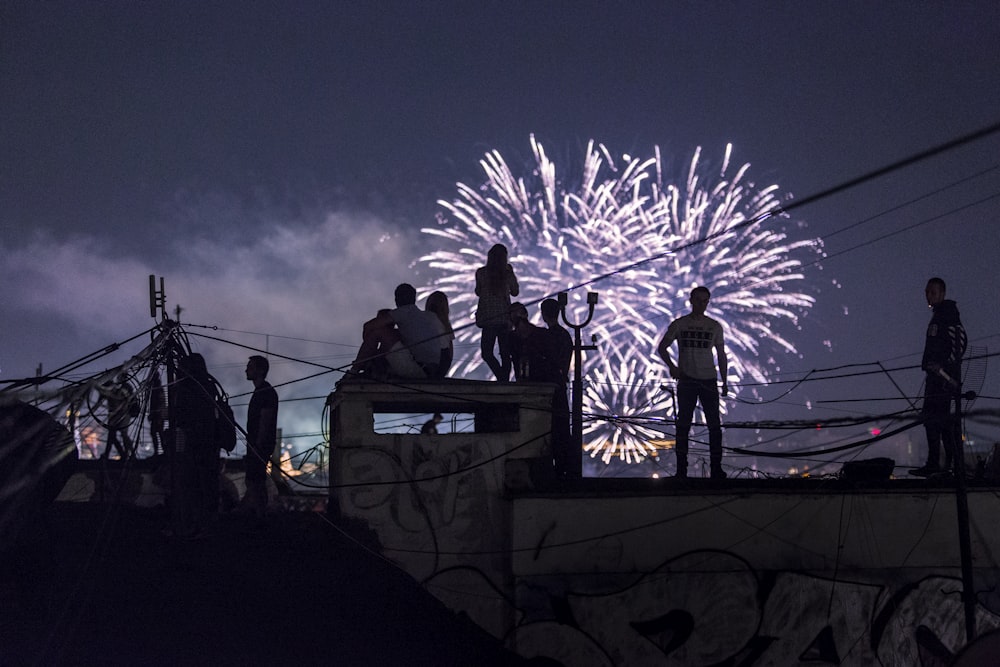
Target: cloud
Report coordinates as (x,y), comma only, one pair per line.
(296,288)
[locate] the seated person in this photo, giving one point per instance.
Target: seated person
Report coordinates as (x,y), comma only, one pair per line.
(405,342)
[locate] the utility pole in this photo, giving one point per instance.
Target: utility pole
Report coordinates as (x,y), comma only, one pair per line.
(578,348)
(962,508)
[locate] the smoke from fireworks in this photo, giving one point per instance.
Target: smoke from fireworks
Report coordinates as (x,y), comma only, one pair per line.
(620,228)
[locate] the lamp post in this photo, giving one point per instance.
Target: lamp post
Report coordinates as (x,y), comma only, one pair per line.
(578,348)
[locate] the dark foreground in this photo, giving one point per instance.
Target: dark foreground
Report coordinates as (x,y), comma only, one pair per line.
(99,584)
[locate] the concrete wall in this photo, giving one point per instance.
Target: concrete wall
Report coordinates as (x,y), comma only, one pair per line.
(644,572)
(755,578)
(438,502)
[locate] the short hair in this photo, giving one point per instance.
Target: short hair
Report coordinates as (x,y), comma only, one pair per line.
(550,308)
(261,362)
(701,288)
(938,281)
(406,294)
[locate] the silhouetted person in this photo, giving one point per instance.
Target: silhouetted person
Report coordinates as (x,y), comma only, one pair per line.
(430,426)
(942,364)
(157,412)
(543,355)
(437,303)
(262,435)
(697,379)
(495,284)
(521,328)
(122,411)
(196,455)
(405,342)
(549,360)
(376,339)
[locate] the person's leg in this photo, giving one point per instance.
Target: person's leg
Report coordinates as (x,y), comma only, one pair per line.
(375,342)
(708,394)
(951,439)
(400,363)
(486,345)
(933,432)
(687,398)
(503,341)
(936,408)
(184,497)
(208,470)
(255,499)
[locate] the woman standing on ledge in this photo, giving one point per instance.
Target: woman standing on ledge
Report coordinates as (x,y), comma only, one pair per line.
(495,284)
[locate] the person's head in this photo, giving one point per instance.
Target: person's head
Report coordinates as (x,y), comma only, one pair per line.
(517,312)
(934,291)
(193,365)
(496,258)
(437,303)
(550,311)
(699,299)
(406,295)
(519,321)
(257,368)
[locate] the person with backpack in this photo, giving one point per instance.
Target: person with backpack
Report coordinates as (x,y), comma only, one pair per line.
(195,484)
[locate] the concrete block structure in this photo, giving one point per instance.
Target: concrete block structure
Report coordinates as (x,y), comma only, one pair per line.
(654,571)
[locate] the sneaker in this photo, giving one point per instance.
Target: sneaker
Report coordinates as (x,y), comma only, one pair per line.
(681,474)
(719,473)
(927,470)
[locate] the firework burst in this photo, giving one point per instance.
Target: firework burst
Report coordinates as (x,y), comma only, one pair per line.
(622,228)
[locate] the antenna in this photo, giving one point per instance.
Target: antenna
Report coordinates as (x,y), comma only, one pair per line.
(157,299)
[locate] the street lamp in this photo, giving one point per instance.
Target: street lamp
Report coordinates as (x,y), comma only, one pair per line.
(576,464)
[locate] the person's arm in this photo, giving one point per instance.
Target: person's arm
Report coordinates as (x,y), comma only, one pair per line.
(479,280)
(720,352)
(515,289)
(663,349)
(267,426)
(383,319)
(958,340)
(444,362)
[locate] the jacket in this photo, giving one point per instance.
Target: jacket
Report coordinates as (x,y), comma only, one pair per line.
(946,340)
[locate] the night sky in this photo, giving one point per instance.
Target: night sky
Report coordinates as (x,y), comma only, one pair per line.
(275,162)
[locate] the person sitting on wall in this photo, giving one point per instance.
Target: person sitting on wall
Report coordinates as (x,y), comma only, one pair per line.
(405,342)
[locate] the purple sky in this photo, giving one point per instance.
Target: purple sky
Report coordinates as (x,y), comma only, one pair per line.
(276,161)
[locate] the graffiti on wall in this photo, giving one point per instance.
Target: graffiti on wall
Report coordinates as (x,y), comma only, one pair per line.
(442,516)
(710,608)
(429,503)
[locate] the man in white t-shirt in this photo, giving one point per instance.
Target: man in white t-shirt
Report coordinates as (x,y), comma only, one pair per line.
(697,380)
(407,341)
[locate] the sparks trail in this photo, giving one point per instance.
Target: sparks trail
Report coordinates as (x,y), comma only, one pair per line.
(567,229)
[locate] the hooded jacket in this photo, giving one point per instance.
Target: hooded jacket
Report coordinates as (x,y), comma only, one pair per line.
(946,340)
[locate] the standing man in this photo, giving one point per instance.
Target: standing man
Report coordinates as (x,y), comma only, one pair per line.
(551,364)
(262,434)
(697,380)
(942,363)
